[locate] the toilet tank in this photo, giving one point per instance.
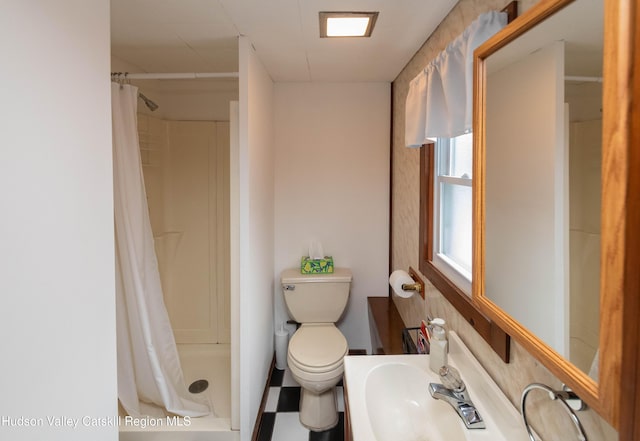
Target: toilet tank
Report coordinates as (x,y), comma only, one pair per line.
(316,298)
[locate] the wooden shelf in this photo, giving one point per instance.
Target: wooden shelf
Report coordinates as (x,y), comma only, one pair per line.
(386,326)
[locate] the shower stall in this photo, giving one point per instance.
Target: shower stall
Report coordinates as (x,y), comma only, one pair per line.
(183,133)
(584,100)
(186,173)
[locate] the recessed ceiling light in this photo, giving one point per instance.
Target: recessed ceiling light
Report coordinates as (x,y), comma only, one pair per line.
(347,24)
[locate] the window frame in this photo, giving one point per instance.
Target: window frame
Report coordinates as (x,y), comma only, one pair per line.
(490,332)
(448,266)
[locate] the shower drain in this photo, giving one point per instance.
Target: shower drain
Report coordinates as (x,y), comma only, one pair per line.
(198,386)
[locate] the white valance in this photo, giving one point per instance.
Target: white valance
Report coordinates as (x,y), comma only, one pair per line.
(440,99)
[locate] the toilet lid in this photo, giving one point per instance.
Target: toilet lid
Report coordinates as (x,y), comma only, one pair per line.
(318,346)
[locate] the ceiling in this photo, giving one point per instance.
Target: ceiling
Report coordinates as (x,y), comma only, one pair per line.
(201,36)
(580,26)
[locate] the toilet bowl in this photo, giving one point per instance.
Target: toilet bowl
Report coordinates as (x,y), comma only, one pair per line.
(315,357)
(317,349)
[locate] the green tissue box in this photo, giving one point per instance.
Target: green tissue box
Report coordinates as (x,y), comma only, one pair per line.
(316,266)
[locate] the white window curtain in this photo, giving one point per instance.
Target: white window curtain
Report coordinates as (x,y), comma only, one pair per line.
(440,99)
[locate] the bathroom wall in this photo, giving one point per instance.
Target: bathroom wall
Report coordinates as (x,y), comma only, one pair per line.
(332,185)
(57,276)
(523,369)
(186,172)
(256,233)
(519,197)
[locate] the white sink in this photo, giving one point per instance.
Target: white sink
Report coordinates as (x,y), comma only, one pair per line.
(399,406)
(389,400)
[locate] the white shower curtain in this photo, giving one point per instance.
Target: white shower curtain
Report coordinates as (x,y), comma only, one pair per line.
(150,380)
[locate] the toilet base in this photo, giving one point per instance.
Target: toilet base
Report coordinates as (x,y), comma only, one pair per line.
(318,412)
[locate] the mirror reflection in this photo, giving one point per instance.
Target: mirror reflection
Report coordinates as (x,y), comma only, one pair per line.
(543,178)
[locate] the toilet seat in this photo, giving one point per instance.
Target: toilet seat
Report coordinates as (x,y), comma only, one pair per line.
(318,348)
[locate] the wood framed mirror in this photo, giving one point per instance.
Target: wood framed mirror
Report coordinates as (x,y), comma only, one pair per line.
(547,210)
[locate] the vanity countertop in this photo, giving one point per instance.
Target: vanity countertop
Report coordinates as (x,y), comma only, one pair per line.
(367,396)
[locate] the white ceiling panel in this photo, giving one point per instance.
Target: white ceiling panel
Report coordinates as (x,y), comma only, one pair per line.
(286,63)
(162,58)
(201,35)
(203,32)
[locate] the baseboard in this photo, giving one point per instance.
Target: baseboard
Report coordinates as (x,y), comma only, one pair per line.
(265,394)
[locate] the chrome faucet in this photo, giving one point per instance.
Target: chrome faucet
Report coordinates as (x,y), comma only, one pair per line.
(453,391)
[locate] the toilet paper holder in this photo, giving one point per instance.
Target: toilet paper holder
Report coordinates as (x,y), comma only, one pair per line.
(416,286)
(412,287)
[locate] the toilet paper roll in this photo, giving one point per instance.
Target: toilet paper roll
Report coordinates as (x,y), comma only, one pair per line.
(397,279)
(282,341)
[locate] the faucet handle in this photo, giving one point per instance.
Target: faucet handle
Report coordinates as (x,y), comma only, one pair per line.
(451,378)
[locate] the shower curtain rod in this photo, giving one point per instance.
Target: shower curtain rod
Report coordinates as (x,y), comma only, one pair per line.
(175,76)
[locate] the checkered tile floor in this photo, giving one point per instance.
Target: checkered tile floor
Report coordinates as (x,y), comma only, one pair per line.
(280,421)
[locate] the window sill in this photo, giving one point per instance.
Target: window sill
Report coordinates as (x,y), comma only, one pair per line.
(489,331)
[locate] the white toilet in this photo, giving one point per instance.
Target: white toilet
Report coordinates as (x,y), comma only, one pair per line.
(317,348)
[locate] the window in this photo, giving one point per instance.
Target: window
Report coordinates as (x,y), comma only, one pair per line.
(446,229)
(452,205)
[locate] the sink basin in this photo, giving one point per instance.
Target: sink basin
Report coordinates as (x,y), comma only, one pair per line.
(400,408)
(388,399)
